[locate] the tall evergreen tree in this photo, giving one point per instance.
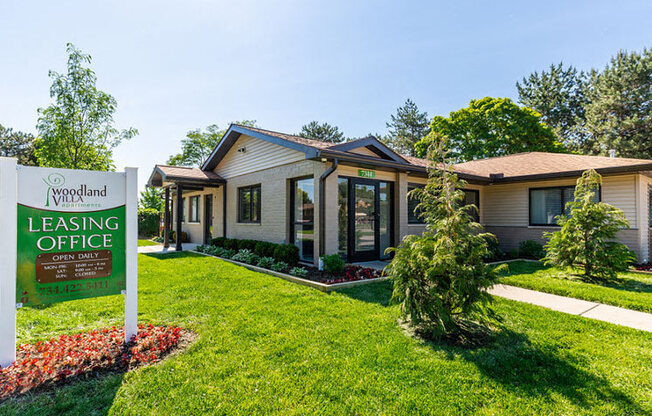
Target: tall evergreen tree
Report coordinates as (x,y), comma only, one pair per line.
(17,144)
(323,132)
(406,128)
(619,114)
(559,95)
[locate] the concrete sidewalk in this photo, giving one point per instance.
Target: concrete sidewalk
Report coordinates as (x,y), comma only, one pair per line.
(593,310)
(160,250)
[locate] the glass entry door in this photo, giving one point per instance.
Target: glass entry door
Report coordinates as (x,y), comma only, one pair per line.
(369,219)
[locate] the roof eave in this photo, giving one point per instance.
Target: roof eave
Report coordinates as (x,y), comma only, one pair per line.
(574,173)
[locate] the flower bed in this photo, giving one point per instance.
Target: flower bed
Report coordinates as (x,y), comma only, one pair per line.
(644,267)
(349,274)
(68,356)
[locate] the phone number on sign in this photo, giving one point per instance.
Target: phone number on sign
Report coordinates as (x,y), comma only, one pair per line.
(72,288)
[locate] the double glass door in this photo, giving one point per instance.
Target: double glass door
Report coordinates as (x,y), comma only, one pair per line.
(370,214)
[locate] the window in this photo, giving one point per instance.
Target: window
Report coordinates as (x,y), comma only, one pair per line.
(183,209)
(413,212)
(249,204)
(303,216)
(472,197)
(548,203)
(343,216)
(194,208)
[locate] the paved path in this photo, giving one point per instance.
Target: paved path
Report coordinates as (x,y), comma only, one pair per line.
(160,250)
(593,310)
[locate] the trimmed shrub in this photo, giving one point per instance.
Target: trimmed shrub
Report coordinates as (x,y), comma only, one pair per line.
(287,253)
(333,264)
(247,245)
(265,262)
(531,249)
(280,266)
(231,244)
(218,242)
(513,253)
(184,237)
(265,249)
(298,272)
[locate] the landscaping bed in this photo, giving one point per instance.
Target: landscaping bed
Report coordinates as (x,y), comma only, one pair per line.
(68,357)
(288,262)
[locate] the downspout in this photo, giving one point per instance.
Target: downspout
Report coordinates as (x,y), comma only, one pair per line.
(322,206)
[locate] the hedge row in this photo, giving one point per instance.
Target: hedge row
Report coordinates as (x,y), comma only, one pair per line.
(288,253)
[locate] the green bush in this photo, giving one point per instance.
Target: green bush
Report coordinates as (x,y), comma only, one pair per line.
(149,222)
(299,272)
(513,253)
(184,237)
(247,245)
(218,242)
(231,244)
(228,253)
(265,249)
(493,247)
(333,264)
(265,262)
(280,266)
(287,253)
(246,256)
(531,249)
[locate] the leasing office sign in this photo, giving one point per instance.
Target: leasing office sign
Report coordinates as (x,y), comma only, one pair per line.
(71,235)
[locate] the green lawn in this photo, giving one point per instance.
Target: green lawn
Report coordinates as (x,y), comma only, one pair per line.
(631,290)
(143,243)
(268,346)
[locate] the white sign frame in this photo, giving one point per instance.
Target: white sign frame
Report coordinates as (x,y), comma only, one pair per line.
(9,171)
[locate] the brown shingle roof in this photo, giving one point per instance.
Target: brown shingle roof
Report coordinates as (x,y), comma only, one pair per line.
(541,163)
(190,174)
(317,144)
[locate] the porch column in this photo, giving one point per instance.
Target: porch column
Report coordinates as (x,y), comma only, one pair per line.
(400,203)
(179,204)
(166,220)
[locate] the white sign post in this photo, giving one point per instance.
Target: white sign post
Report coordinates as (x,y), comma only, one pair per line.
(8,247)
(67,234)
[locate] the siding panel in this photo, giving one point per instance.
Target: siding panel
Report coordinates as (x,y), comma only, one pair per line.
(259,155)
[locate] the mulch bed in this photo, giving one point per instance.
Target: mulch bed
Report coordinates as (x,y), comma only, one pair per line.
(68,358)
(351,273)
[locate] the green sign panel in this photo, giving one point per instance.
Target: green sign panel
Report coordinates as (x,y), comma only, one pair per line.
(363,173)
(71,235)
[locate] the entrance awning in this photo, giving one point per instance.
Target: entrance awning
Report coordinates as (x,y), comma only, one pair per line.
(164,175)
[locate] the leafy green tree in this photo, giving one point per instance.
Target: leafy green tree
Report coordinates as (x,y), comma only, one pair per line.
(17,144)
(491,127)
(77,131)
(198,144)
(559,95)
(440,278)
(619,114)
(323,132)
(151,198)
(407,127)
(587,235)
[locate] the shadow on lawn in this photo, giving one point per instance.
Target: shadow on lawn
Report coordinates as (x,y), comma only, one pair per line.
(511,359)
(526,369)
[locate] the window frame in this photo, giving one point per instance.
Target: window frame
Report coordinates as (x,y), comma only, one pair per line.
(293,220)
(476,213)
(252,207)
(194,217)
(419,220)
(561,189)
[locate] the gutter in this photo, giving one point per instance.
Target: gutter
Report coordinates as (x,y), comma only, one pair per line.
(322,205)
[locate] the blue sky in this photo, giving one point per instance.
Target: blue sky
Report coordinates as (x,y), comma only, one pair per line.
(180,65)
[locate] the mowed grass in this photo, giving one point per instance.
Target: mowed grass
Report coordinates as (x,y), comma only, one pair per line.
(144,243)
(267,346)
(630,290)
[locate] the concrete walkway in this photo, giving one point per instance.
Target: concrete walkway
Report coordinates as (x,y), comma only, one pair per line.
(593,310)
(160,250)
